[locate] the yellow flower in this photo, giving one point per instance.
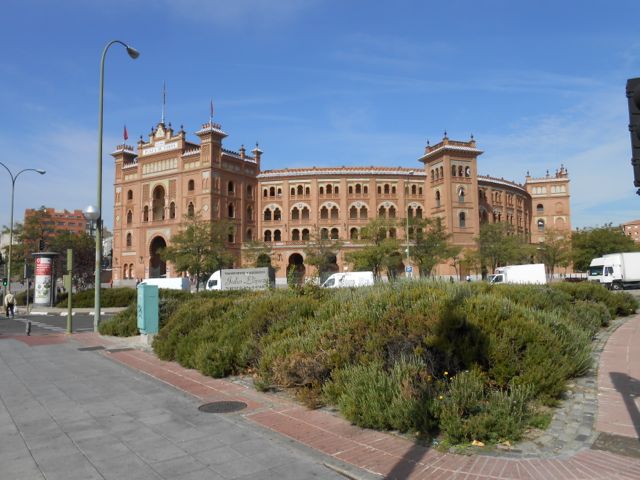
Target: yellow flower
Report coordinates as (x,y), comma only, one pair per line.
(440,397)
(446,373)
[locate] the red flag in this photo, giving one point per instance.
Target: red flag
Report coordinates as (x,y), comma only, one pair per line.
(126,135)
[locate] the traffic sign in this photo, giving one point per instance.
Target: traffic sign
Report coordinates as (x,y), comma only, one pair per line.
(408,269)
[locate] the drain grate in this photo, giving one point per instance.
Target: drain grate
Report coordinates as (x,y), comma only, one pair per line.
(90,349)
(123,349)
(222,407)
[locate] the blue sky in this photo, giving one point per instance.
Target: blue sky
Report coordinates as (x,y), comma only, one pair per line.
(319,82)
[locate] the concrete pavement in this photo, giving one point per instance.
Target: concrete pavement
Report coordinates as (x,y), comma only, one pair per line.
(110,401)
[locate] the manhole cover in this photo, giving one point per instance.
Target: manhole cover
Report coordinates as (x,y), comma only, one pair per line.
(89,349)
(222,407)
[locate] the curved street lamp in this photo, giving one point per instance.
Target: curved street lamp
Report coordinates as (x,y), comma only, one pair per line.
(13,187)
(133,53)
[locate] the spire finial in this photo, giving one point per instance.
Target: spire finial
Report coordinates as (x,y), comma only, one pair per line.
(445,134)
(472,136)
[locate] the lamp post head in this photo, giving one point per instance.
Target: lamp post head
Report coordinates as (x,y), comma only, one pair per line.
(91,213)
(40,171)
(133,53)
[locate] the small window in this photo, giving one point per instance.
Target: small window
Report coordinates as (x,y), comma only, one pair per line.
(539,208)
(437,199)
(172,210)
(277,236)
(191,186)
(267,236)
(334,234)
(145,214)
(230,211)
(249,235)
(463,219)
(300,191)
(130,195)
(230,187)
(305,234)
(249,191)
(129,240)
(267,215)
(191,211)
(129,217)
(541,225)
(295,214)
(295,235)
(277,215)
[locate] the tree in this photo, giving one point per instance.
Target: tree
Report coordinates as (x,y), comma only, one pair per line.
(555,250)
(469,261)
(322,254)
(590,243)
(84,252)
(498,245)
(257,254)
(379,251)
(432,244)
(199,249)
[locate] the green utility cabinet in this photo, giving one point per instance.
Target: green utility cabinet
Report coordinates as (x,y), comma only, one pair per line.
(148,298)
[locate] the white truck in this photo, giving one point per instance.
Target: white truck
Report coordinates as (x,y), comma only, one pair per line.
(520,274)
(175,283)
(242,279)
(348,279)
(616,271)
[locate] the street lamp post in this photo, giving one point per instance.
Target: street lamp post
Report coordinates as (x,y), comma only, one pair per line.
(13,187)
(133,53)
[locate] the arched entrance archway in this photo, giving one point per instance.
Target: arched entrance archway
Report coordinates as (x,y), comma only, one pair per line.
(158,203)
(296,269)
(157,266)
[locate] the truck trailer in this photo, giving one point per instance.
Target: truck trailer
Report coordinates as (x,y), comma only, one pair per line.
(349,279)
(616,271)
(520,274)
(173,283)
(242,279)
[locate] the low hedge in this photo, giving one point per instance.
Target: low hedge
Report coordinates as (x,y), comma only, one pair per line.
(464,360)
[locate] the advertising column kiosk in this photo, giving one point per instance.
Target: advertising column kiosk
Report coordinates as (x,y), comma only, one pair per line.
(44,288)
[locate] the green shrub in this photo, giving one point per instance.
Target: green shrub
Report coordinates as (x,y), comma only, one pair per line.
(468,410)
(618,303)
(123,324)
(109,297)
(372,397)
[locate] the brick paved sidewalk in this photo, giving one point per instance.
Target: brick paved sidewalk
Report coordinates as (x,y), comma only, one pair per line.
(396,458)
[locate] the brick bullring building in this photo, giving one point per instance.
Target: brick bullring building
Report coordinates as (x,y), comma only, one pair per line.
(169,177)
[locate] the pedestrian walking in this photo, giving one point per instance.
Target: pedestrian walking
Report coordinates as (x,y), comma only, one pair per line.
(468,278)
(9,301)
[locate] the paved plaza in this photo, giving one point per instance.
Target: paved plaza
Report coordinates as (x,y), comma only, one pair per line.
(84,406)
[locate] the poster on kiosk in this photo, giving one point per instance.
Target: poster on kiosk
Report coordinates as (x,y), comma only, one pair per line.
(43,286)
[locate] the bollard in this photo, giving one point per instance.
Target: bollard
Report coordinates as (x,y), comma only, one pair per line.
(28,328)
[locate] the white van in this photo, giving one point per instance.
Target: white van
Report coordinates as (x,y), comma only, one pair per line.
(349,279)
(173,283)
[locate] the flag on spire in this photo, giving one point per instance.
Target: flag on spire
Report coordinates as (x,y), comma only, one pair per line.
(125,134)
(211,109)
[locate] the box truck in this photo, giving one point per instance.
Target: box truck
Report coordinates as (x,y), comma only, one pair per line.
(349,279)
(242,279)
(520,274)
(175,283)
(616,271)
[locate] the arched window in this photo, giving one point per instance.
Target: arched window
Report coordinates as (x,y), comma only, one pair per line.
(329,189)
(433,175)
(145,214)
(437,199)
(382,212)
(125,271)
(295,234)
(418,212)
(350,190)
(130,195)
(305,213)
(300,190)
(277,236)
(409,212)
(305,234)
(293,191)
(539,208)
(392,233)
(467,171)
(249,213)
(279,191)
(295,214)
(364,213)
(265,193)
(324,234)
(541,225)
(191,186)
(453,170)
(379,190)
(249,191)
(392,212)
(191,210)
(460,171)
(334,212)
(461,195)
(267,215)
(386,189)
(334,234)
(172,210)
(230,211)
(393,190)
(231,236)
(277,214)
(321,190)
(463,219)
(336,190)
(358,189)
(307,190)
(324,213)
(353,234)
(353,212)
(129,217)
(365,189)
(272,192)
(267,235)
(414,189)
(230,187)
(129,239)
(158,203)
(419,190)
(249,235)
